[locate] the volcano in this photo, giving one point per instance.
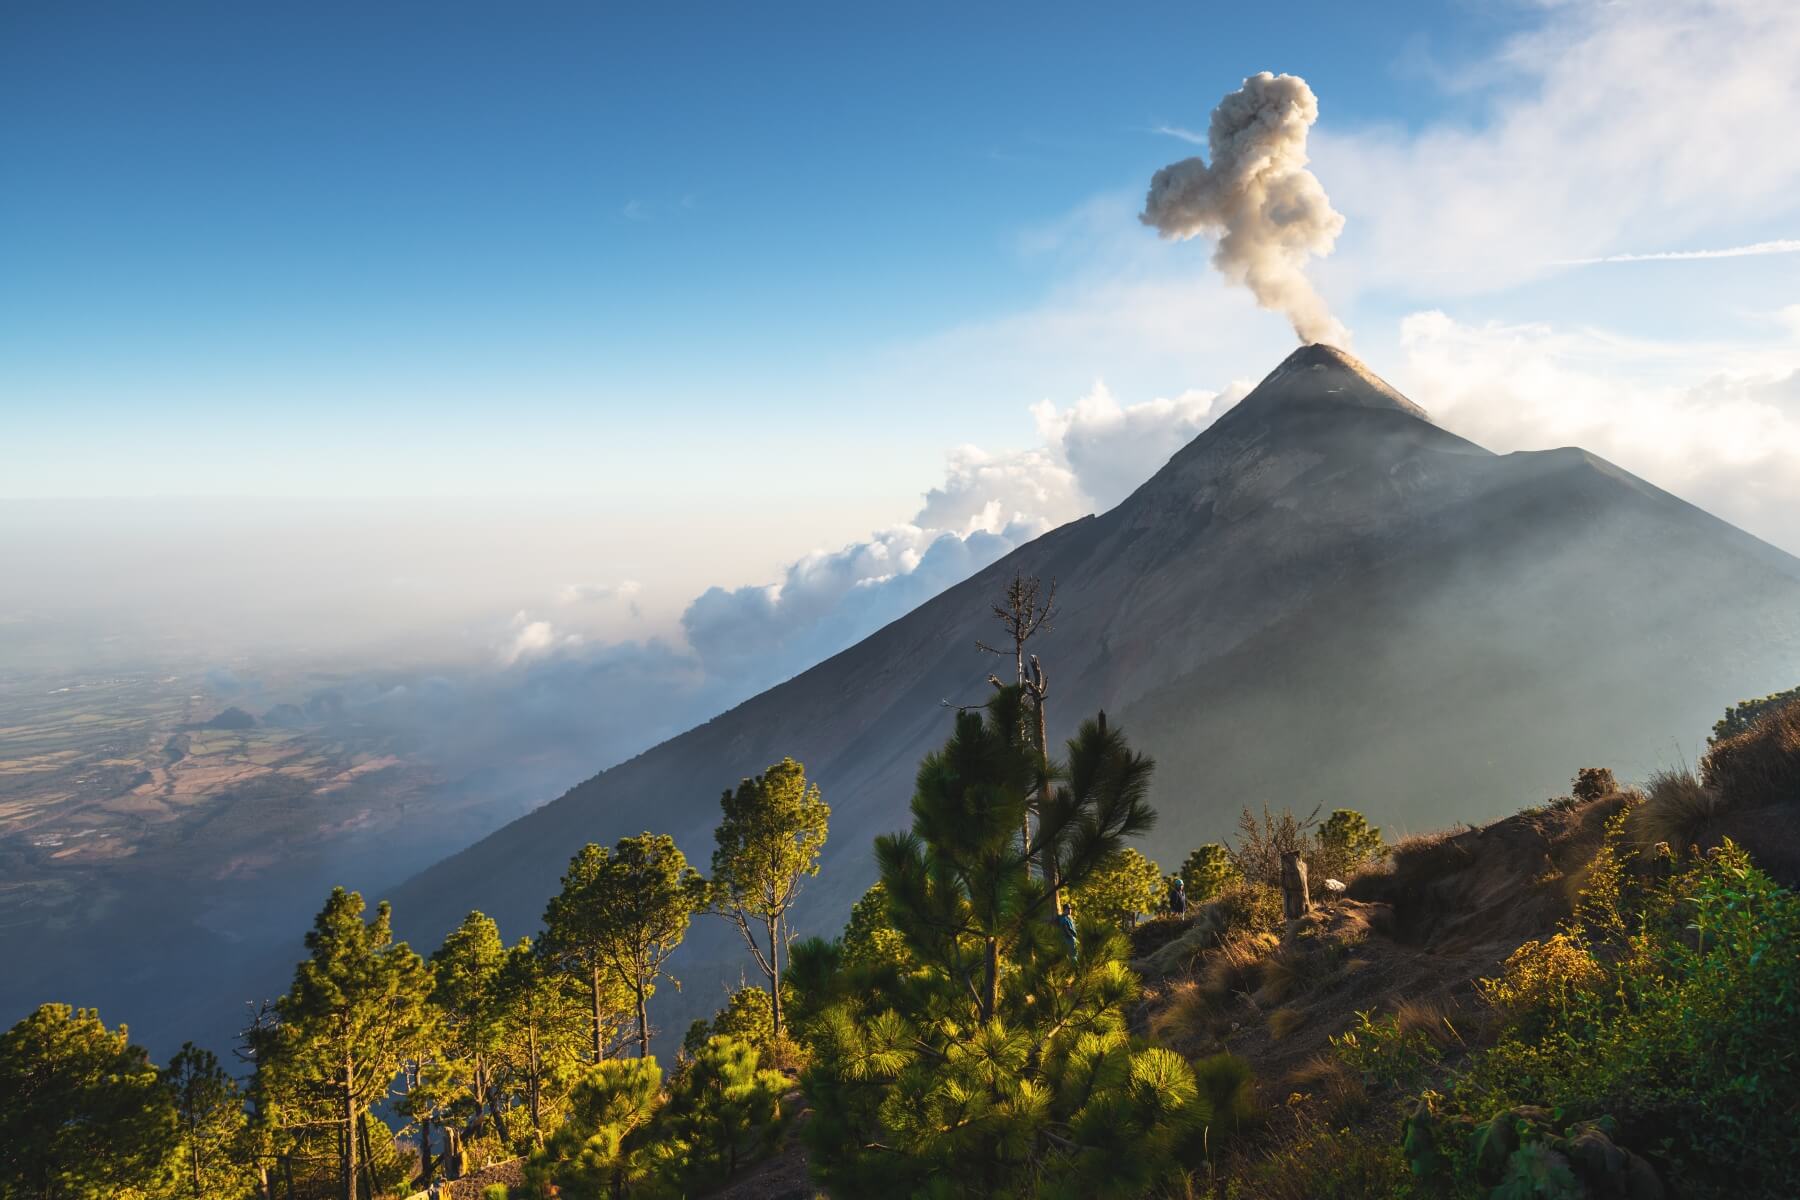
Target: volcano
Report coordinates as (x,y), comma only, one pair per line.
(1324,600)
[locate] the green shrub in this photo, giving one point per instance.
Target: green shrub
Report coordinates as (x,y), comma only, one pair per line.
(1684,1033)
(1209,872)
(1386,1056)
(1745,713)
(1346,843)
(1123,886)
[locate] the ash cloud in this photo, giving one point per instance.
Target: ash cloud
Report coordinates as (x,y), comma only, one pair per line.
(1268,212)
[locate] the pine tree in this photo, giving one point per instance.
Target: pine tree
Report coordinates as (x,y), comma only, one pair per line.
(1347,843)
(544,1022)
(1123,886)
(209,1108)
(619,916)
(358,1002)
(594,1153)
(82,1115)
(769,840)
(465,992)
(956,884)
(990,1061)
(1208,871)
(580,936)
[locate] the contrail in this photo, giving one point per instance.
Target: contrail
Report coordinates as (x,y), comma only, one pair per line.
(1780,246)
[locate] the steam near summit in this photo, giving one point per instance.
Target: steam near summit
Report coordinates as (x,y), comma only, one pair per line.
(1269,213)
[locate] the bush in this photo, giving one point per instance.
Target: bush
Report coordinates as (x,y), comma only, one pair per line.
(1760,765)
(1120,888)
(1682,1029)
(1252,908)
(1539,977)
(1261,843)
(1346,844)
(1745,713)
(1386,1056)
(1591,783)
(1674,812)
(624,1135)
(1209,872)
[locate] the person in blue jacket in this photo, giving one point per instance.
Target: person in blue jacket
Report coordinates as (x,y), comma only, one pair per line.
(1178,896)
(1065,921)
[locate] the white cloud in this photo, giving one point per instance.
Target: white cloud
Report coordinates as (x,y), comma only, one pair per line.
(743,639)
(595,593)
(1109,449)
(1649,123)
(1717,424)
(530,639)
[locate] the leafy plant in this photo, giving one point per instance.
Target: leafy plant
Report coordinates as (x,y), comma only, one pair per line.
(1209,871)
(1124,885)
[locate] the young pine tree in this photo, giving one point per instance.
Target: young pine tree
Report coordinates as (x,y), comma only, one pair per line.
(994,1062)
(209,1111)
(466,996)
(1209,871)
(358,1002)
(82,1115)
(1123,886)
(619,916)
(544,1025)
(769,839)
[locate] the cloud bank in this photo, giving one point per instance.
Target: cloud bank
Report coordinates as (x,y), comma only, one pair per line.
(1718,425)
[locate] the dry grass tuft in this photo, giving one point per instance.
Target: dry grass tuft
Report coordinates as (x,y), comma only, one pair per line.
(1760,765)
(1675,810)
(1188,1015)
(1236,966)
(1429,1017)
(1330,1081)
(1283,974)
(1284,1021)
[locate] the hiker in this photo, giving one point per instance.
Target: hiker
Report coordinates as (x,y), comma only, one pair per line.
(1178,895)
(1065,921)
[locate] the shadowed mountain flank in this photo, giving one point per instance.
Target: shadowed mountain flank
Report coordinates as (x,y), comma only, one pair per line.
(1325,599)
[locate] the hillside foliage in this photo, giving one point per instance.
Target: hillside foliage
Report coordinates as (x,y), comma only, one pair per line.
(1009,1012)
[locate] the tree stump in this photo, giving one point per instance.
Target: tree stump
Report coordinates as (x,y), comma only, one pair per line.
(1295,902)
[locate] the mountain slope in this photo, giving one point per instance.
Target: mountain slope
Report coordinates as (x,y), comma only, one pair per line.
(1323,599)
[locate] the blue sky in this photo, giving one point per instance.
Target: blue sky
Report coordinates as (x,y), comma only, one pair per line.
(378,214)
(699,291)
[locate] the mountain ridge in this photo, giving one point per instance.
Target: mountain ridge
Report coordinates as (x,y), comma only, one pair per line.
(1324,568)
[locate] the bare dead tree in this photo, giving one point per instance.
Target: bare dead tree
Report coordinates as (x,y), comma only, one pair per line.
(1026,609)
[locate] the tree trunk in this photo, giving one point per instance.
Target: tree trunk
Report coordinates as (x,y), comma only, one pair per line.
(368,1154)
(265,1187)
(775,969)
(643,1019)
(594,988)
(1047,861)
(531,1042)
(425,1151)
(287,1174)
(990,1000)
(349,1156)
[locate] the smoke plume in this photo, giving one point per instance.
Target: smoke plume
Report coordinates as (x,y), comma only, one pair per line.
(1267,210)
